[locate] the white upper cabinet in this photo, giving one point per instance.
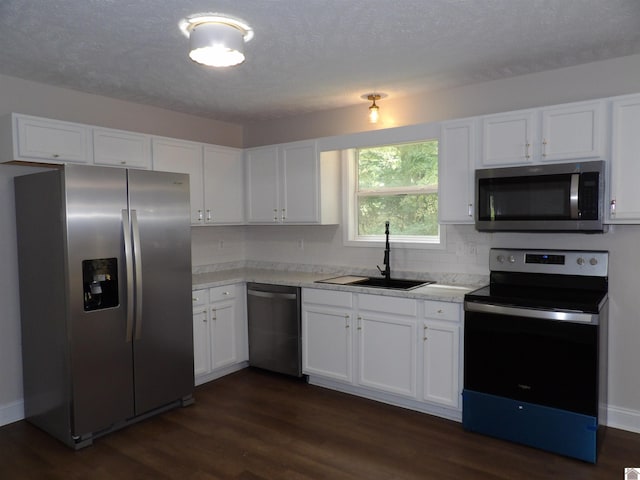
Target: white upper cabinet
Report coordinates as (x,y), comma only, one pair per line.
(223,185)
(625,161)
(36,139)
(121,149)
(507,138)
(564,132)
(573,131)
(457,152)
(292,183)
(170,155)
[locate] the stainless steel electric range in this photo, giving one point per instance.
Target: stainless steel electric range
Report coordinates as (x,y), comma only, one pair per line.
(535,350)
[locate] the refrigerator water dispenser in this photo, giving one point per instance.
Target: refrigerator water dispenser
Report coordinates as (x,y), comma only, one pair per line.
(100,283)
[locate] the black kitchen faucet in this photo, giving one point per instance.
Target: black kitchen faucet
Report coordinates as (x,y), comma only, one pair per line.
(387,265)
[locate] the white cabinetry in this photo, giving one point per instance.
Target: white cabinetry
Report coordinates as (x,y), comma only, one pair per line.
(291,183)
(34,139)
(327,318)
(223,185)
(441,353)
(563,132)
(625,160)
(457,153)
(399,350)
(118,148)
(386,344)
(171,155)
(219,332)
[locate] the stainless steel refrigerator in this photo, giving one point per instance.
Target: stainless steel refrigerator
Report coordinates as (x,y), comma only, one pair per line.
(105,297)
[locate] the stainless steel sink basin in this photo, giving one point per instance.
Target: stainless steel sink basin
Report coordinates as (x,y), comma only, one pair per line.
(391,284)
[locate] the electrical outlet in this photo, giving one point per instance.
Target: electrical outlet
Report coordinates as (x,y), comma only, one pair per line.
(300,244)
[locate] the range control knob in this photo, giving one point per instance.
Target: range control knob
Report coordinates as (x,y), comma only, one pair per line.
(580,261)
(500,258)
(512,259)
(593,261)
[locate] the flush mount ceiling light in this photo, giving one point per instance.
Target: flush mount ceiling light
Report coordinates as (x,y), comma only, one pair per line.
(216,40)
(374,113)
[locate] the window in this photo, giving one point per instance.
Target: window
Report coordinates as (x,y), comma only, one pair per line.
(399,184)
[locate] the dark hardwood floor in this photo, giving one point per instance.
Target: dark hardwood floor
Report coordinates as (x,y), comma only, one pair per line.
(255,425)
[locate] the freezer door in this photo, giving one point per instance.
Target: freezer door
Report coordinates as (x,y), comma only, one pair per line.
(100,356)
(163,330)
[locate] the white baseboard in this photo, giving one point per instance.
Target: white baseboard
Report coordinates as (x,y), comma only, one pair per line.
(623,418)
(11,412)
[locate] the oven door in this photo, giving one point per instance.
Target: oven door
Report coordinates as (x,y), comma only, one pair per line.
(536,360)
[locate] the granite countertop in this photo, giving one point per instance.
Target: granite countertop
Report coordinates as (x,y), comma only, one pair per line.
(436,291)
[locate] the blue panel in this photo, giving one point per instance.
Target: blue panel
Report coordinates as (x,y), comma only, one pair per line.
(559,431)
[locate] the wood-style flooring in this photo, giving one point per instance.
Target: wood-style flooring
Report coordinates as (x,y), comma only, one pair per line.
(254,425)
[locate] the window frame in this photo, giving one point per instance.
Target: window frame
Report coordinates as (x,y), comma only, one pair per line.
(350,213)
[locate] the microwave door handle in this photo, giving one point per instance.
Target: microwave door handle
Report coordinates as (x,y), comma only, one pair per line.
(573,196)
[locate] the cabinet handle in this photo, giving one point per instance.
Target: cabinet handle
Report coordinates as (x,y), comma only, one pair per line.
(283,215)
(438,311)
(199,215)
(346,321)
(226,293)
(425,333)
(208,215)
(471,209)
(612,207)
(544,147)
(55,155)
(275,214)
(213,314)
(359,322)
(526,150)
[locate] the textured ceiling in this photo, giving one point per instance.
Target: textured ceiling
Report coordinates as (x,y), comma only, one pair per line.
(307,55)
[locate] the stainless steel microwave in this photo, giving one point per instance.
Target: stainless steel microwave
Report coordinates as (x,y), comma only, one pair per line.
(565,197)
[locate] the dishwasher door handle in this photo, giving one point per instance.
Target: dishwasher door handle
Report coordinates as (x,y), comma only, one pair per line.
(285,296)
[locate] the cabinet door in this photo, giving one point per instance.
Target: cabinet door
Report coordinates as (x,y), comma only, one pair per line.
(326,342)
(625,161)
(201,343)
(299,194)
(456,172)
(572,132)
(262,185)
(121,149)
(51,140)
(182,157)
(223,185)
(223,334)
(507,139)
(387,353)
(440,362)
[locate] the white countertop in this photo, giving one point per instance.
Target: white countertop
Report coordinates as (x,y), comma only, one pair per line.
(435,291)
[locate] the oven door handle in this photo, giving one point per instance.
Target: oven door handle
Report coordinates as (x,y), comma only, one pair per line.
(580,317)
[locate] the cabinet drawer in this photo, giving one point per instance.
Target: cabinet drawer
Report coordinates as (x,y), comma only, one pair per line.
(442,310)
(383,303)
(327,297)
(225,292)
(199,298)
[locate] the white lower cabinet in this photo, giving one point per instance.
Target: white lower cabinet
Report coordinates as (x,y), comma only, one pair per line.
(219,332)
(400,350)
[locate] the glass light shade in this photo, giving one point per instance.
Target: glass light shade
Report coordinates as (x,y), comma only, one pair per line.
(216,45)
(373,113)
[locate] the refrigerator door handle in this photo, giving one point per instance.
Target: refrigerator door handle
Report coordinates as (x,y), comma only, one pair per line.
(137,256)
(128,260)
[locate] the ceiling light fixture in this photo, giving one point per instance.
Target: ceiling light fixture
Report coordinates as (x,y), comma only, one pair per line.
(216,40)
(374,110)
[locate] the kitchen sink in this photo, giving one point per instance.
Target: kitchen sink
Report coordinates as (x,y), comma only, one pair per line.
(391,284)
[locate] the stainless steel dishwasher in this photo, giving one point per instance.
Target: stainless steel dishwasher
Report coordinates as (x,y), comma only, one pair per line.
(274,328)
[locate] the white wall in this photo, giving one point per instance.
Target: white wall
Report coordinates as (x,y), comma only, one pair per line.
(31,98)
(583,82)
